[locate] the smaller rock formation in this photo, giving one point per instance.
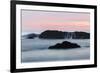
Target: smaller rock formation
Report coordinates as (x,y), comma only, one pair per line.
(64,45)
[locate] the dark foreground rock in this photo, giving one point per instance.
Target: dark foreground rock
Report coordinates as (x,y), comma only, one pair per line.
(64,45)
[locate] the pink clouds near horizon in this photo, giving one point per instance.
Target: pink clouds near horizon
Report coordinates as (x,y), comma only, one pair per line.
(39,21)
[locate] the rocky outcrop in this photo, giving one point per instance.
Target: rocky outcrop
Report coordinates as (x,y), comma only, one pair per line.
(53,34)
(64,45)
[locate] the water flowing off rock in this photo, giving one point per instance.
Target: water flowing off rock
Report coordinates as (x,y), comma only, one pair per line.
(54,34)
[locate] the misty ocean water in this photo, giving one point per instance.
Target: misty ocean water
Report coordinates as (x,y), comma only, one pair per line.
(36,50)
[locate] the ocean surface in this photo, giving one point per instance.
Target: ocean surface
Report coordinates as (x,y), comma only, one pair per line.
(36,50)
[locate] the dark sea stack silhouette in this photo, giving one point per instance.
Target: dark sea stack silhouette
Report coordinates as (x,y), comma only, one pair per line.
(64,45)
(52,34)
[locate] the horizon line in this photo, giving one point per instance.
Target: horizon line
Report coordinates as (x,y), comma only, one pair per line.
(23,33)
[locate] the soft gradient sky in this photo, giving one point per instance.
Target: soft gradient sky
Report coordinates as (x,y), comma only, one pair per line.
(39,21)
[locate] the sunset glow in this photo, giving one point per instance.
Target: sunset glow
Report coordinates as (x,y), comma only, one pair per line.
(39,21)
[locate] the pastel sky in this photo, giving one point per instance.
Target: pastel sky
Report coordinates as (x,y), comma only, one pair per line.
(39,21)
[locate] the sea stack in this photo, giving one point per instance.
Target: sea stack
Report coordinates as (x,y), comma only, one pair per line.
(64,45)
